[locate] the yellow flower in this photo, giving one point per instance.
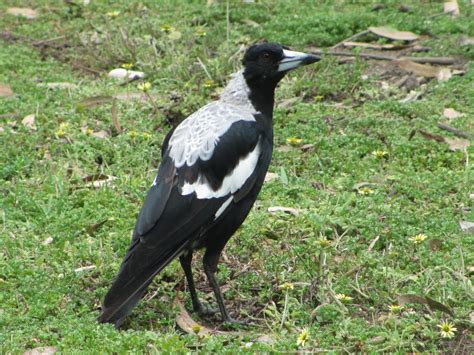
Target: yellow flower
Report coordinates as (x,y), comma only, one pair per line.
(196,328)
(418,239)
(323,243)
(132,134)
(113,14)
(303,337)
(294,140)
(200,32)
(167,28)
(344,298)
(287,286)
(447,329)
(146,135)
(89,131)
(61,131)
(365,191)
(144,87)
(380,154)
(127,66)
(395,309)
(209,83)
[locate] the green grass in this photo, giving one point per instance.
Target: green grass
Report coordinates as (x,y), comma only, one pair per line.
(419,187)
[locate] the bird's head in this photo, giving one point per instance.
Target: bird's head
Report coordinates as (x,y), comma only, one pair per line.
(271,61)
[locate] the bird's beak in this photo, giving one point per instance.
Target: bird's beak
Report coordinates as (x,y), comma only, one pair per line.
(293,60)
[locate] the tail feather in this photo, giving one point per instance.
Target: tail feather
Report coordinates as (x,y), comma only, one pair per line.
(136,273)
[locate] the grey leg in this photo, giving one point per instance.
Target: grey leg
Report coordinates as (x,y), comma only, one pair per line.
(211,258)
(198,307)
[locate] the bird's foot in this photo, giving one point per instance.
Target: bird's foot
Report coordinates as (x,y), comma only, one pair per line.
(205,310)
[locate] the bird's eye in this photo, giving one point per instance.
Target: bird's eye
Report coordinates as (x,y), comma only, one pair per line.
(266,56)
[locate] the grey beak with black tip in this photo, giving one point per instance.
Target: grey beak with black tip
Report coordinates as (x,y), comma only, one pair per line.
(292,60)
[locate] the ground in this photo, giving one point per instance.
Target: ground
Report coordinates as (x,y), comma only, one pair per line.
(364,170)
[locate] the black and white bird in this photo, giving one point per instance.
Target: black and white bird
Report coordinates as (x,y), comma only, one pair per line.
(212,169)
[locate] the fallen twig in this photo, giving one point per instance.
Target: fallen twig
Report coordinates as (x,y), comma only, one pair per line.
(429,60)
(42,42)
(454,131)
(350,38)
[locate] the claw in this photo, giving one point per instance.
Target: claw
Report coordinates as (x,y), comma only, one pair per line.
(205,311)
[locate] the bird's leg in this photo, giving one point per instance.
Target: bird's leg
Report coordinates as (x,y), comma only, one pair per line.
(211,258)
(198,307)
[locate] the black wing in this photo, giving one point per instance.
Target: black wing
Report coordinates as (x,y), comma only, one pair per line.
(170,221)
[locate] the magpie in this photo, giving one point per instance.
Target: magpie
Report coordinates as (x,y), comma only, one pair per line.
(212,168)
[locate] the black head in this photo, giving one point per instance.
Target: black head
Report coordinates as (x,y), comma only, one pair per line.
(269,62)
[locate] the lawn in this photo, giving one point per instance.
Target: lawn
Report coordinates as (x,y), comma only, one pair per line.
(375,190)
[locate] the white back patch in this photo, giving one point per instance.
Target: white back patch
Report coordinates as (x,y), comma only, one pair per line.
(196,137)
(231,183)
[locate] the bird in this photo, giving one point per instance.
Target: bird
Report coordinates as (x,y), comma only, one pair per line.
(213,165)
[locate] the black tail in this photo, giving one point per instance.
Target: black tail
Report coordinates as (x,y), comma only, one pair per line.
(138,269)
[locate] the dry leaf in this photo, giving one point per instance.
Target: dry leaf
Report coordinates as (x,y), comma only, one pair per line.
(85,268)
(467,226)
(266,339)
(307,147)
(452,7)
(425,70)
(98,180)
(186,323)
(435,244)
(115,120)
(434,137)
(5,90)
(47,241)
(287,102)
(29,122)
(58,86)
(270,176)
(372,243)
(174,35)
(131,96)
(457,143)
(412,96)
(95,227)
(23,12)
(100,134)
(404,299)
(94,101)
(284,148)
(251,23)
(444,74)
(466,41)
(393,34)
(451,113)
(290,210)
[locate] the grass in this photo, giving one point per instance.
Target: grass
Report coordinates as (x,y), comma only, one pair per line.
(357,211)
